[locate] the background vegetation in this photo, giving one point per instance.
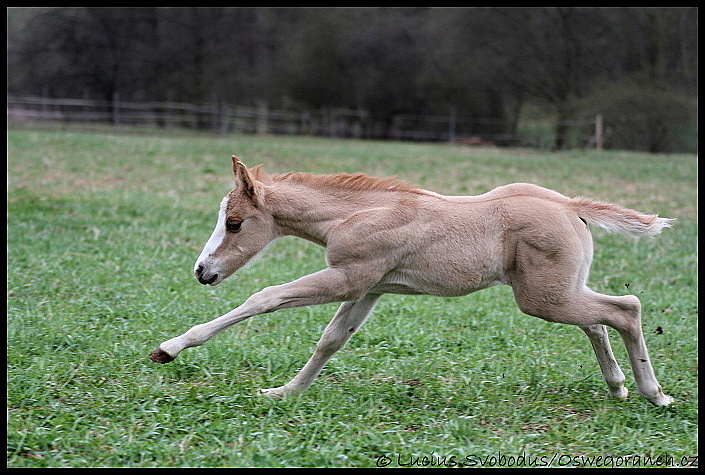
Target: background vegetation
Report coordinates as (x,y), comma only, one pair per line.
(637,66)
(102,232)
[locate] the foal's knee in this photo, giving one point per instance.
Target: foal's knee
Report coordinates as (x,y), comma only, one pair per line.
(330,343)
(265,301)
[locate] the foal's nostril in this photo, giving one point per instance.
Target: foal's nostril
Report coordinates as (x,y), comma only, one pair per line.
(203,276)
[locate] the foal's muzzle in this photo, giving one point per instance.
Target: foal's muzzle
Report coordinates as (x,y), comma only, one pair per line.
(204,276)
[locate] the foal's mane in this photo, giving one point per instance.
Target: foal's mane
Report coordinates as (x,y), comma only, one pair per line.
(339,181)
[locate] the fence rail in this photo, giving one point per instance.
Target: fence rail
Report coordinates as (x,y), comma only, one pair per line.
(224,118)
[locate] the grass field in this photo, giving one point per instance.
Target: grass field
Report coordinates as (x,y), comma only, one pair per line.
(103,231)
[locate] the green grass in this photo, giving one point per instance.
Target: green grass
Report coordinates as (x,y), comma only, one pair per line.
(103,230)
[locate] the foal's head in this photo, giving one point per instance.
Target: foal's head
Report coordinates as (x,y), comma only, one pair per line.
(242,230)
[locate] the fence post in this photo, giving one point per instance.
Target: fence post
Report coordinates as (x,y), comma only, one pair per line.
(223,118)
(116,109)
(262,117)
(215,113)
(45,100)
(598,132)
(452,125)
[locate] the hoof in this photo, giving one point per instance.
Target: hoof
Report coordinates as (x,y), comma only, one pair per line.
(160,356)
(662,400)
(282,392)
(619,393)
(659,399)
(273,393)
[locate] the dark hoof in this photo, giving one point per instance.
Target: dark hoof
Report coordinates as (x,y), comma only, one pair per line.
(160,356)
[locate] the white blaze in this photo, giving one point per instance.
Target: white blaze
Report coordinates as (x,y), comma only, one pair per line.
(217,236)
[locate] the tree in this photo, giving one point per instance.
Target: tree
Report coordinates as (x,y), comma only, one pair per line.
(481,62)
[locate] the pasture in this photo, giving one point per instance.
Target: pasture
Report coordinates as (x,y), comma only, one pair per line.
(102,233)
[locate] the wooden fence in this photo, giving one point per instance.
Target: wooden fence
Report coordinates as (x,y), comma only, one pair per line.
(223,118)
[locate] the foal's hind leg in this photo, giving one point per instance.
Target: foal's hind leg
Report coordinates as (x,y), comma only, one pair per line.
(586,308)
(611,372)
(627,321)
(347,320)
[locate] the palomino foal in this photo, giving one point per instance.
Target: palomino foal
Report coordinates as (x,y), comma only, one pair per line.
(382,236)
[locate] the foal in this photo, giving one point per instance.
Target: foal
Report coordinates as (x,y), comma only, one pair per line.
(383,236)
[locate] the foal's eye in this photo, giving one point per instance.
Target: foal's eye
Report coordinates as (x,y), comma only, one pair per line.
(233,225)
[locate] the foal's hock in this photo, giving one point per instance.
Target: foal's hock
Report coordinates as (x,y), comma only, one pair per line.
(384,236)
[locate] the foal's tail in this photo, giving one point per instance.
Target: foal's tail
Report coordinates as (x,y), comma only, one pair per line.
(614,218)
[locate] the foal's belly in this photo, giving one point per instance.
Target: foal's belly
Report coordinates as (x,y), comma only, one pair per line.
(442,281)
(438,291)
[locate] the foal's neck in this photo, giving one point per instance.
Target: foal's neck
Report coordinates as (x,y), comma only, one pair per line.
(312,213)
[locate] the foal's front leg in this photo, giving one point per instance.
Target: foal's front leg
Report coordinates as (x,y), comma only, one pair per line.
(326,286)
(347,320)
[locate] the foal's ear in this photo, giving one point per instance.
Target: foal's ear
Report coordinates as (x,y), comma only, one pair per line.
(244,179)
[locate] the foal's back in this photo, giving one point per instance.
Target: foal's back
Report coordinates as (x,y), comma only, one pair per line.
(466,243)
